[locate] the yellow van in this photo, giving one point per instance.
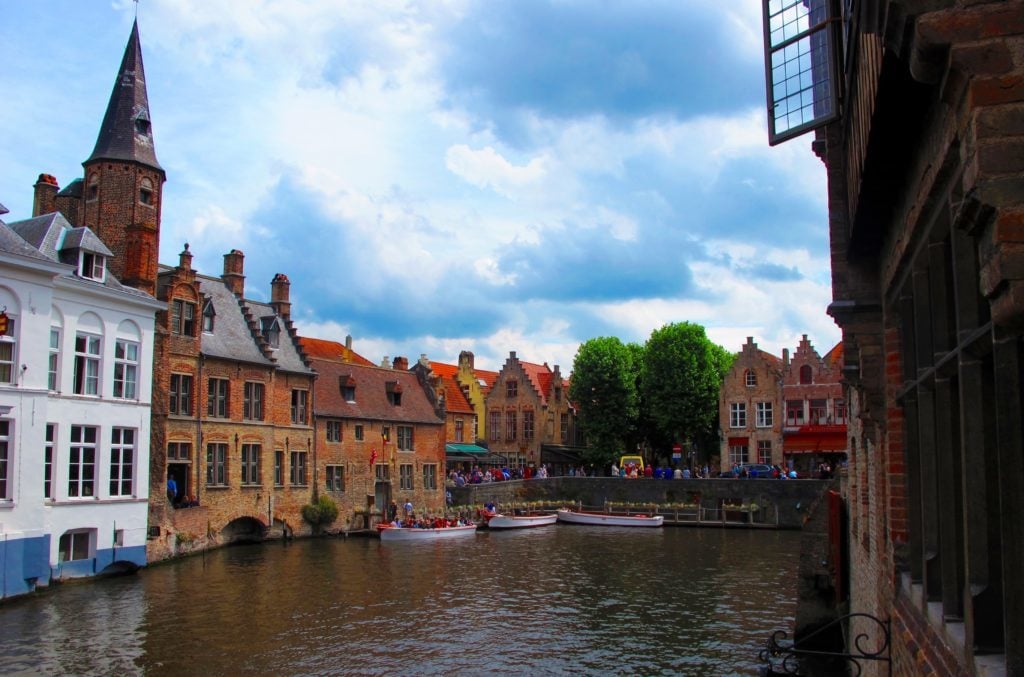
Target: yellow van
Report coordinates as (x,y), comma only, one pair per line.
(638,461)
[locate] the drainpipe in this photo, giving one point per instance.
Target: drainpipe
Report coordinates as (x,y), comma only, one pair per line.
(199,426)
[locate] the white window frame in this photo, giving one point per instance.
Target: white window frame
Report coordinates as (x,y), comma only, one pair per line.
(88,362)
(739,454)
(49,460)
(737,414)
(79,538)
(750,378)
(126,369)
(122,461)
(92,266)
(765,415)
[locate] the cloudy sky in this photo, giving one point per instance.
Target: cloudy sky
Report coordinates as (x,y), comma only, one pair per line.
(450,175)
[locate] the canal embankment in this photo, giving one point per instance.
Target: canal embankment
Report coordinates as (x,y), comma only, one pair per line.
(754,503)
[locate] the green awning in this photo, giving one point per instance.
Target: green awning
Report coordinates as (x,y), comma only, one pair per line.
(465,449)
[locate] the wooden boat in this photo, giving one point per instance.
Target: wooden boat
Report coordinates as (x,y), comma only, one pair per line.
(609,520)
(390,533)
(500,521)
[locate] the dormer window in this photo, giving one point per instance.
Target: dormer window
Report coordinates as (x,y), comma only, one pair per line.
(394,390)
(272,332)
(347,387)
(142,125)
(146,192)
(92,266)
(208,314)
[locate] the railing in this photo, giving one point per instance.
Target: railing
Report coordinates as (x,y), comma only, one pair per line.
(782,656)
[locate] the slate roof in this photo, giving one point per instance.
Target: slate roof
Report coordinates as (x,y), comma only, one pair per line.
(287,353)
(371,385)
(454,398)
(51,237)
(120,137)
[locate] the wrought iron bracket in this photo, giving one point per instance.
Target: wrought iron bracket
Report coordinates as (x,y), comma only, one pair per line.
(783,656)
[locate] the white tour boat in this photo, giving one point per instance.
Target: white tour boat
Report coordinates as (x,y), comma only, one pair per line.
(500,521)
(390,533)
(609,520)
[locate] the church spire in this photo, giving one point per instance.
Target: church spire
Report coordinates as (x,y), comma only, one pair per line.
(126,133)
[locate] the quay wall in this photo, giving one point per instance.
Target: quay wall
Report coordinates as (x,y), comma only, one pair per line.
(791,498)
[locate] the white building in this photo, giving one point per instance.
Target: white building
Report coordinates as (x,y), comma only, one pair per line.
(76,362)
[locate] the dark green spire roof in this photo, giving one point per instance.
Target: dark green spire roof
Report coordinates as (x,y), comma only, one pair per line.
(127,133)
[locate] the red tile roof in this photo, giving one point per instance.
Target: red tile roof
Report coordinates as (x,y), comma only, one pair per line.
(454,398)
(372,385)
(834,357)
(331,350)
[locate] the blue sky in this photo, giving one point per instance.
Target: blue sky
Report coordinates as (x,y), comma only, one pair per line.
(451,175)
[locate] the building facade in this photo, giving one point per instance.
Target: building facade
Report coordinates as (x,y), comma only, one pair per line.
(749,409)
(920,125)
(379,436)
(76,349)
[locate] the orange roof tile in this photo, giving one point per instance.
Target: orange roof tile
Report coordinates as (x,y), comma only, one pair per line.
(331,350)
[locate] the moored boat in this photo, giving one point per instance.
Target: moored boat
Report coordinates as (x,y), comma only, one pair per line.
(500,521)
(390,533)
(609,520)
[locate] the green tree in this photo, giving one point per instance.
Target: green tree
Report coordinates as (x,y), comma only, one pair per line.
(682,373)
(604,388)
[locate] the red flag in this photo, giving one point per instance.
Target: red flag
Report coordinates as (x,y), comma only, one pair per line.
(373,458)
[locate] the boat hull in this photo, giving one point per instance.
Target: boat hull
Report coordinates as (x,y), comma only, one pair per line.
(413,534)
(520,521)
(602,519)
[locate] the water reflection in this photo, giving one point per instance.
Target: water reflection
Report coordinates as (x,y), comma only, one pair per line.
(553,600)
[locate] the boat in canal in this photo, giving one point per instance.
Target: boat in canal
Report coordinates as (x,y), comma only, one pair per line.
(390,533)
(609,520)
(501,521)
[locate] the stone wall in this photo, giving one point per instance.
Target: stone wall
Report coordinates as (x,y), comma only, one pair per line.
(792,498)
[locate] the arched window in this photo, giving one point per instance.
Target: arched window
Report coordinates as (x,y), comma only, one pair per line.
(806,374)
(92,191)
(750,378)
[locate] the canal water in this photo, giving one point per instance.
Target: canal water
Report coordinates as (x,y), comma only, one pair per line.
(553,600)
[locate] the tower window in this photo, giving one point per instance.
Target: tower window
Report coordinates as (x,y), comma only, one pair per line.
(93,190)
(142,126)
(146,192)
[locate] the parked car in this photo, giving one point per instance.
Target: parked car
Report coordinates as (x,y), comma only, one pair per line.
(756,470)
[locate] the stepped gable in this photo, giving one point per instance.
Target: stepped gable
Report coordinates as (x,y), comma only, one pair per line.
(233,337)
(126,133)
(288,354)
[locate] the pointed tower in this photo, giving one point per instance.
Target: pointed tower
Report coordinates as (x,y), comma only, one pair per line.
(123,181)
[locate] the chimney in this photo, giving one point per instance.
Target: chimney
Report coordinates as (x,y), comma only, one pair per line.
(401,364)
(423,360)
(279,295)
(386,363)
(45,200)
(348,342)
(467,357)
(185,259)
(785,357)
(234,277)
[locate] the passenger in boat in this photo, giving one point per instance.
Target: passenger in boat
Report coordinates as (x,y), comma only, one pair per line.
(392,511)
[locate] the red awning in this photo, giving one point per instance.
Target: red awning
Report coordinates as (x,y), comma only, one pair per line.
(807,443)
(738,441)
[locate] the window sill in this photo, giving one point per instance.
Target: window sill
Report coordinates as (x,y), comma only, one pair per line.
(252,486)
(299,486)
(217,487)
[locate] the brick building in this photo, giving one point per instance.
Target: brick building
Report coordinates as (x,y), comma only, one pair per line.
(379,433)
(782,411)
(814,429)
(232,416)
(749,409)
(529,418)
(921,128)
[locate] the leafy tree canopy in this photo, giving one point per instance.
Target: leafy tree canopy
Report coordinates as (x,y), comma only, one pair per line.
(604,386)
